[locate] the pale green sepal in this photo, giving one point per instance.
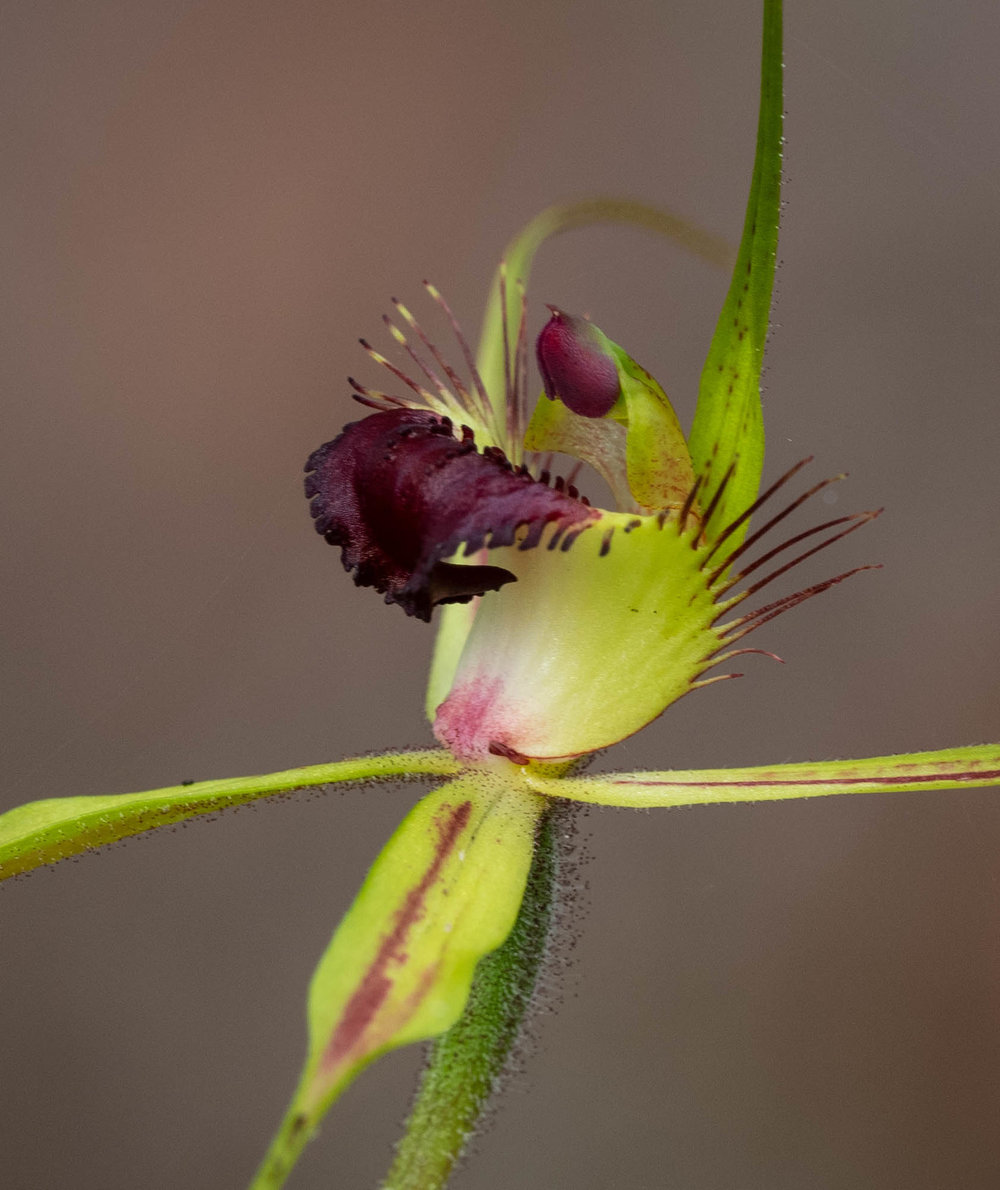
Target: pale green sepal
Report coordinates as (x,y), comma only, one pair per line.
(465,1064)
(948,768)
(588,645)
(46,831)
(444,892)
(728,427)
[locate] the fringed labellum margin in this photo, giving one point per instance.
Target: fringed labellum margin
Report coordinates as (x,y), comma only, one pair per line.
(401,494)
(592,621)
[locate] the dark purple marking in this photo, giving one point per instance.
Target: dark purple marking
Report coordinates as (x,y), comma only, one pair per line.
(497,748)
(363,1007)
(575,367)
(399,493)
(714,502)
(763,783)
(755,619)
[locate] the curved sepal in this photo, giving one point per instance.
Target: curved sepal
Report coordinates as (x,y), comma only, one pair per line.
(444,892)
(466,1064)
(947,768)
(46,831)
(728,429)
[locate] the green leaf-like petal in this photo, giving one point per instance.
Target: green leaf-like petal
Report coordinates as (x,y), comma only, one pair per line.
(728,429)
(46,831)
(466,1063)
(948,768)
(638,446)
(444,892)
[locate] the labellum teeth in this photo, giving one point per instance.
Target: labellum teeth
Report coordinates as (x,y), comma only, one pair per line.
(575,367)
(400,494)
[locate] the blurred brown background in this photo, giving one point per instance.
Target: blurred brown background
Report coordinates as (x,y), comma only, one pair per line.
(207,203)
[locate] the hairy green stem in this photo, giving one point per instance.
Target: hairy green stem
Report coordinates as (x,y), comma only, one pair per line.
(465,1064)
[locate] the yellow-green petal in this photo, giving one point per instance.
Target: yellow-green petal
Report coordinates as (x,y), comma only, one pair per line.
(444,892)
(465,1065)
(728,428)
(45,831)
(947,768)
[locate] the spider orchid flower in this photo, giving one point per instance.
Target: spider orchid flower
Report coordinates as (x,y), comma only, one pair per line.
(587,622)
(563,628)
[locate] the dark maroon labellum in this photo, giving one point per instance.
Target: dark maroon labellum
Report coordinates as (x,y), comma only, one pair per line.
(574,366)
(399,493)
